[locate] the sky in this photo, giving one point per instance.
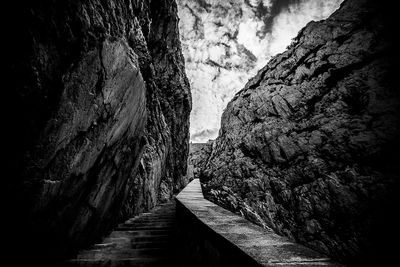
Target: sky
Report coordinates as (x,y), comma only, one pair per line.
(225,43)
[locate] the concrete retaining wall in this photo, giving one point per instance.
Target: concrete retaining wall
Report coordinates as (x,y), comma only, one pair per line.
(213,236)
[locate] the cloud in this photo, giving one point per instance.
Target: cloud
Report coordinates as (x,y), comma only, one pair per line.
(226,42)
(203,136)
(288,23)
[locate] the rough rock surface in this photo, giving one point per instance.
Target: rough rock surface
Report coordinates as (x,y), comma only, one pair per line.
(225,43)
(309,146)
(99,128)
(198,158)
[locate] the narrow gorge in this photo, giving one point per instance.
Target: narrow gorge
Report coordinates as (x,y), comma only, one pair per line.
(99,165)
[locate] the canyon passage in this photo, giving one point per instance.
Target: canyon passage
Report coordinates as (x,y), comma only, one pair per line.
(100,171)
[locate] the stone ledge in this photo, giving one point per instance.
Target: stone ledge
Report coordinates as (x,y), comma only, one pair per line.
(264,246)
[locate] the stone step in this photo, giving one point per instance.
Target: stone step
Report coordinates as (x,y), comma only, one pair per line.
(143,227)
(104,245)
(153,244)
(141,243)
(150,232)
(165,216)
(124,253)
(151,238)
(137,262)
(151,223)
(159,224)
(148,238)
(151,219)
(145,240)
(155,219)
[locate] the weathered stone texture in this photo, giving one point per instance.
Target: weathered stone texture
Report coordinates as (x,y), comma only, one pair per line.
(309,146)
(162,170)
(99,128)
(198,158)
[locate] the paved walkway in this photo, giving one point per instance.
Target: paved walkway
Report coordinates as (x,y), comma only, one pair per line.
(263,245)
(145,240)
(150,239)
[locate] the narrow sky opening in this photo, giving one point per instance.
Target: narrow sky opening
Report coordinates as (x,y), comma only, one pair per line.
(225,43)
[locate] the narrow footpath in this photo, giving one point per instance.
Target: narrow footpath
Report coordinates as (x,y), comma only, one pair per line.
(145,240)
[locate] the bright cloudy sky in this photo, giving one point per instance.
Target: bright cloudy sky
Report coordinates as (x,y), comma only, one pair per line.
(225,43)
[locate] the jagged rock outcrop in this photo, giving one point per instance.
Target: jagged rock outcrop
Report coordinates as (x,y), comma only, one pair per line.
(99,128)
(225,43)
(198,158)
(309,146)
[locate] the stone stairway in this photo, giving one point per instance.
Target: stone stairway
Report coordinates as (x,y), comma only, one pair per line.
(145,240)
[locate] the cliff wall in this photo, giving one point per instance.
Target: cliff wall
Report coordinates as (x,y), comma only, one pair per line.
(309,146)
(99,123)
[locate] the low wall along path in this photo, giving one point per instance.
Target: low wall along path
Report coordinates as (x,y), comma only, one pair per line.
(232,239)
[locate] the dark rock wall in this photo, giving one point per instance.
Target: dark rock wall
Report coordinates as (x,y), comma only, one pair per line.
(199,154)
(99,123)
(162,170)
(309,146)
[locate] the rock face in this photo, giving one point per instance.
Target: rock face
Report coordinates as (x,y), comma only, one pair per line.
(309,146)
(225,43)
(198,158)
(100,128)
